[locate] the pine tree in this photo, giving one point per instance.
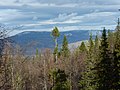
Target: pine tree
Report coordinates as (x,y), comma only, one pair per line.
(118,25)
(55,34)
(65,50)
(96,47)
(104,66)
(87,81)
(91,44)
(60,80)
(111,40)
(116,83)
(82,47)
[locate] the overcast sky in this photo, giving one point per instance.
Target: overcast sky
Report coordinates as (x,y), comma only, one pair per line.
(43,15)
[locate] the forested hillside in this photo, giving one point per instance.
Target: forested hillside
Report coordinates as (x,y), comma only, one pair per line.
(39,38)
(91,66)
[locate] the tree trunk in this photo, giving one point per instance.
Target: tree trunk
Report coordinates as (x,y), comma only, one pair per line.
(56,45)
(45,83)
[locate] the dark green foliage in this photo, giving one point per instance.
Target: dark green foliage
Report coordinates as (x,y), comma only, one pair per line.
(60,80)
(55,33)
(116,54)
(82,47)
(55,53)
(96,48)
(65,50)
(104,66)
(37,52)
(87,81)
(111,40)
(91,44)
(118,25)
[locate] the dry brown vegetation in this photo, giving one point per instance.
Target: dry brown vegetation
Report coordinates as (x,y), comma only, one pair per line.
(20,72)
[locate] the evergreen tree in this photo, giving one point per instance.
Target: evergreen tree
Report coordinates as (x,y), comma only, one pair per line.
(116,53)
(91,44)
(111,40)
(37,53)
(82,47)
(96,47)
(60,80)
(104,66)
(118,25)
(55,34)
(65,50)
(55,53)
(87,81)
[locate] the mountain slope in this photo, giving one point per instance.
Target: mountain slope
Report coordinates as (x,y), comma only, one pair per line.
(44,39)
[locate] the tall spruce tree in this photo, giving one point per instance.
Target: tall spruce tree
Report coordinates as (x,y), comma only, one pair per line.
(104,66)
(55,34)
(60,80)
(111,40)
(96,47)
(91,44)
(65,50)
(82,48)
(116,53)
(118,25)
(87,81)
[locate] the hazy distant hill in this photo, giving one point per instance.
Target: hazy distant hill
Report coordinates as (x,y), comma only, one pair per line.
(44,39)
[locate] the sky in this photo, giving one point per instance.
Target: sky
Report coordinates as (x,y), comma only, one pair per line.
(44,15)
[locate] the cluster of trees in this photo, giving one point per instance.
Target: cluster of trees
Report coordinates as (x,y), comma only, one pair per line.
(94,65)
(102,66)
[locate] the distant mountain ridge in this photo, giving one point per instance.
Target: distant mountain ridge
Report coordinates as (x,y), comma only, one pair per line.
(44,39)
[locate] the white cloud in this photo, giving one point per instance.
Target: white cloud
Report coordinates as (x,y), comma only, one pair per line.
(61,19)
(66,14)
(94,20)
(83,27)
(9,14)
